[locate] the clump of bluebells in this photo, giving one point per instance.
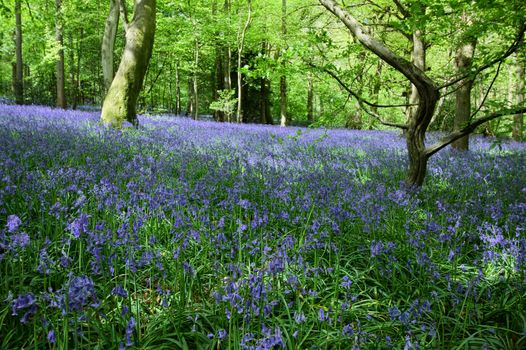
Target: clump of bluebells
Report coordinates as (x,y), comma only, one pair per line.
(209,235)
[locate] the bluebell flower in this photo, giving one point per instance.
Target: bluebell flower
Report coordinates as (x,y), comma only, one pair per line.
(299,317)
(20,240)
(346,282)
(79,225)
(394,313)
(81,291)
(13,223)
(119,291)
(51,337)
(222,334)
(25,303)
(129,331)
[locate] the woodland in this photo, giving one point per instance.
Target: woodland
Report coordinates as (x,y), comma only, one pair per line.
(262,174)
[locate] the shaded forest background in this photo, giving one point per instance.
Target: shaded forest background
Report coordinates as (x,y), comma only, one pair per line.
(286,58)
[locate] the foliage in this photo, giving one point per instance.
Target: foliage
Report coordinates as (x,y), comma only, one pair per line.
(226,102)
(314,39)
(190,234)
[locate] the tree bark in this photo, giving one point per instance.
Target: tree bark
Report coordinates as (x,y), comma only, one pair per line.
(463,95)
(195,87)
(19,70)
(518,119)
(177,89)
(108,43)
(241,45)
(310,99)
(61,93)
(120,102)
(419,60)
(72,71)
(377,86)
(190,100)
(283,79)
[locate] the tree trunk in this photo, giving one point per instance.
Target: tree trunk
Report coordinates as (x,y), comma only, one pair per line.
(518,119)
(377,86)
(108,43)
(310,99)
(419,60)
(177,89)
(19,71)
(78,89)
(463,95)
(195,82)
(72,71)
(120,102)
(283,78)
(190,100)
(61,94)
(265,112)
(241,45)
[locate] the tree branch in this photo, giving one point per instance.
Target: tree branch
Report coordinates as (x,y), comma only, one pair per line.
(124,13)
(402,9)
(468,129)
(487,91)
(354,94)
(362,101)
(514,46)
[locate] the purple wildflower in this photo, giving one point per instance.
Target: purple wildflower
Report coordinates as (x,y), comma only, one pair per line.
(81,291)
(79,225)
(26,303)
(129,331)
(346,283)
(51,337)
(20,240)
(222,334)
(119,291)
(13,223)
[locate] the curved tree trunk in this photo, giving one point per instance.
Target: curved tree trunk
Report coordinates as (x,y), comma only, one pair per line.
(108,43)
(427,90)
(120,102)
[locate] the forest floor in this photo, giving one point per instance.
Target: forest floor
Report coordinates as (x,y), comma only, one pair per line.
(199,235)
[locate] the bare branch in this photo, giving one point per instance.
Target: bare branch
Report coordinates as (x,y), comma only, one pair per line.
(354,94)
(487,91)
(402,9)
(468,129)
(362,101)
(513,47)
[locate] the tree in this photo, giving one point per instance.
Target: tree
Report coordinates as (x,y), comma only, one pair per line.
(60,75)
(108,43)
(283,78)
(428,91)
(120,102)
(518,119)
(19,69)
(241,45)
(463,62)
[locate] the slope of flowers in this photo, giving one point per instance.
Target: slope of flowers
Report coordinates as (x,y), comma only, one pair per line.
(199,235)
